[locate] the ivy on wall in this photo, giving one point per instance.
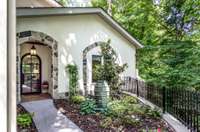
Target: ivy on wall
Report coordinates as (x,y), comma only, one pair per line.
(72,70)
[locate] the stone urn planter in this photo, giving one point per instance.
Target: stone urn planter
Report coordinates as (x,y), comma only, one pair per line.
(101,94)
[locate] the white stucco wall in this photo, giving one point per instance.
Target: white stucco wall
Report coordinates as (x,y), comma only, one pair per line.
(45,55)
(74,34)
(37,3)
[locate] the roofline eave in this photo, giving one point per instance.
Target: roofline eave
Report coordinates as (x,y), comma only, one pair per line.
(55,11)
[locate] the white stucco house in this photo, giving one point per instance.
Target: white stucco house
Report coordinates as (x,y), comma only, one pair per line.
(48,39)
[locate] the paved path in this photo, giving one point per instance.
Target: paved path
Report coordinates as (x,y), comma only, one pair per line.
(48,119)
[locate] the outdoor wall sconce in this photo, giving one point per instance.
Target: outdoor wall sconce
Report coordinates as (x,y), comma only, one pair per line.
(33,50)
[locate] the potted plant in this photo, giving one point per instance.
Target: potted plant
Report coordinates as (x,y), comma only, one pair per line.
(45,85)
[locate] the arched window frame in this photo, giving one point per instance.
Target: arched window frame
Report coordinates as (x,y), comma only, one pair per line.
(40,72)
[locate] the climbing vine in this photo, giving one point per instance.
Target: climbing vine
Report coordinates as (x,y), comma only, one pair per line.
(110,70)
(72,70)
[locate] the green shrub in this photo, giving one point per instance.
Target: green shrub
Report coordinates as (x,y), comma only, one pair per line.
(128,120)
(126,105)
(24,120)
(77,99)
(135,109)
(110,70)
(88,107)
(129,99)
(127,111)
(152,112)
(72,70)
(106,123)
(108,112)
(116,108)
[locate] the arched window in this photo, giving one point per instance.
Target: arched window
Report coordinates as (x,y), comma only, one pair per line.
(30,74)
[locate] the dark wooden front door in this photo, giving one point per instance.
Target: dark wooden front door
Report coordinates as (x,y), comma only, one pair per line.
(30,74)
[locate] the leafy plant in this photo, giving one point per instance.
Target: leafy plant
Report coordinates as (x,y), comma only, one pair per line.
(129,99)
(152,112)
(127,111)
(110,70)
(116,108)
(128,120)
(88,107)
(170,33)
(73,79)
(24,120)
(123,109)
(63,2)
(106,123)
(77,99)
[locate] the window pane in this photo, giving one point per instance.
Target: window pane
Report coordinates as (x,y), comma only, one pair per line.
(30,76)
(26,68)
(27,59)
(26,78)
(96,62)
(35,87)
(35,60)
(35,68)
(26,88)
(35,78)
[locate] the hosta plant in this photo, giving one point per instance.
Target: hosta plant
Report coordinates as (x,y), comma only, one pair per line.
(24,120)
(77,99)
(88,107)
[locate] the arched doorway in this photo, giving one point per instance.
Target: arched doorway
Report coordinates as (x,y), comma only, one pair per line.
(30,74)
(38,38)
(94,59)
(85,65)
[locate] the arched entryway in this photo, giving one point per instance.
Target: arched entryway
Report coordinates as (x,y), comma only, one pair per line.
(86,59)
(85,63)
(38,39)
(30,74)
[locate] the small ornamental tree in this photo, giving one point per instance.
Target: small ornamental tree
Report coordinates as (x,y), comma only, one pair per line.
(72,70)
(110,70)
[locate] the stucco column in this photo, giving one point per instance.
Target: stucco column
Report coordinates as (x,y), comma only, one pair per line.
(8,66)
(11,64)
(3,66)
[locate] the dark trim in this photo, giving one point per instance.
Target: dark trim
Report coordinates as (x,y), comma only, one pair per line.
(40,90)
(59,3)
(35,43)
(60,7)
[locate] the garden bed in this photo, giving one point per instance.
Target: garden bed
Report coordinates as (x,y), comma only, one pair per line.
(32,128)
(101,123)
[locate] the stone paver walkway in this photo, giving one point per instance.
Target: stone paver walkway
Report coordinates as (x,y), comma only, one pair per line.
(48,119)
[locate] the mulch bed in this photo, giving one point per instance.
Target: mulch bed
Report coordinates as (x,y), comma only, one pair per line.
(32,128)
(91,123)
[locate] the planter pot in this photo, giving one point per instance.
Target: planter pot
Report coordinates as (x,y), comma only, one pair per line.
(101,95)
(45,88)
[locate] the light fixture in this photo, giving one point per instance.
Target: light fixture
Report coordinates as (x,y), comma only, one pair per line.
(33,50)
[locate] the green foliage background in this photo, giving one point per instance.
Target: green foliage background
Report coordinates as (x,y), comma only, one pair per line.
(170,32)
